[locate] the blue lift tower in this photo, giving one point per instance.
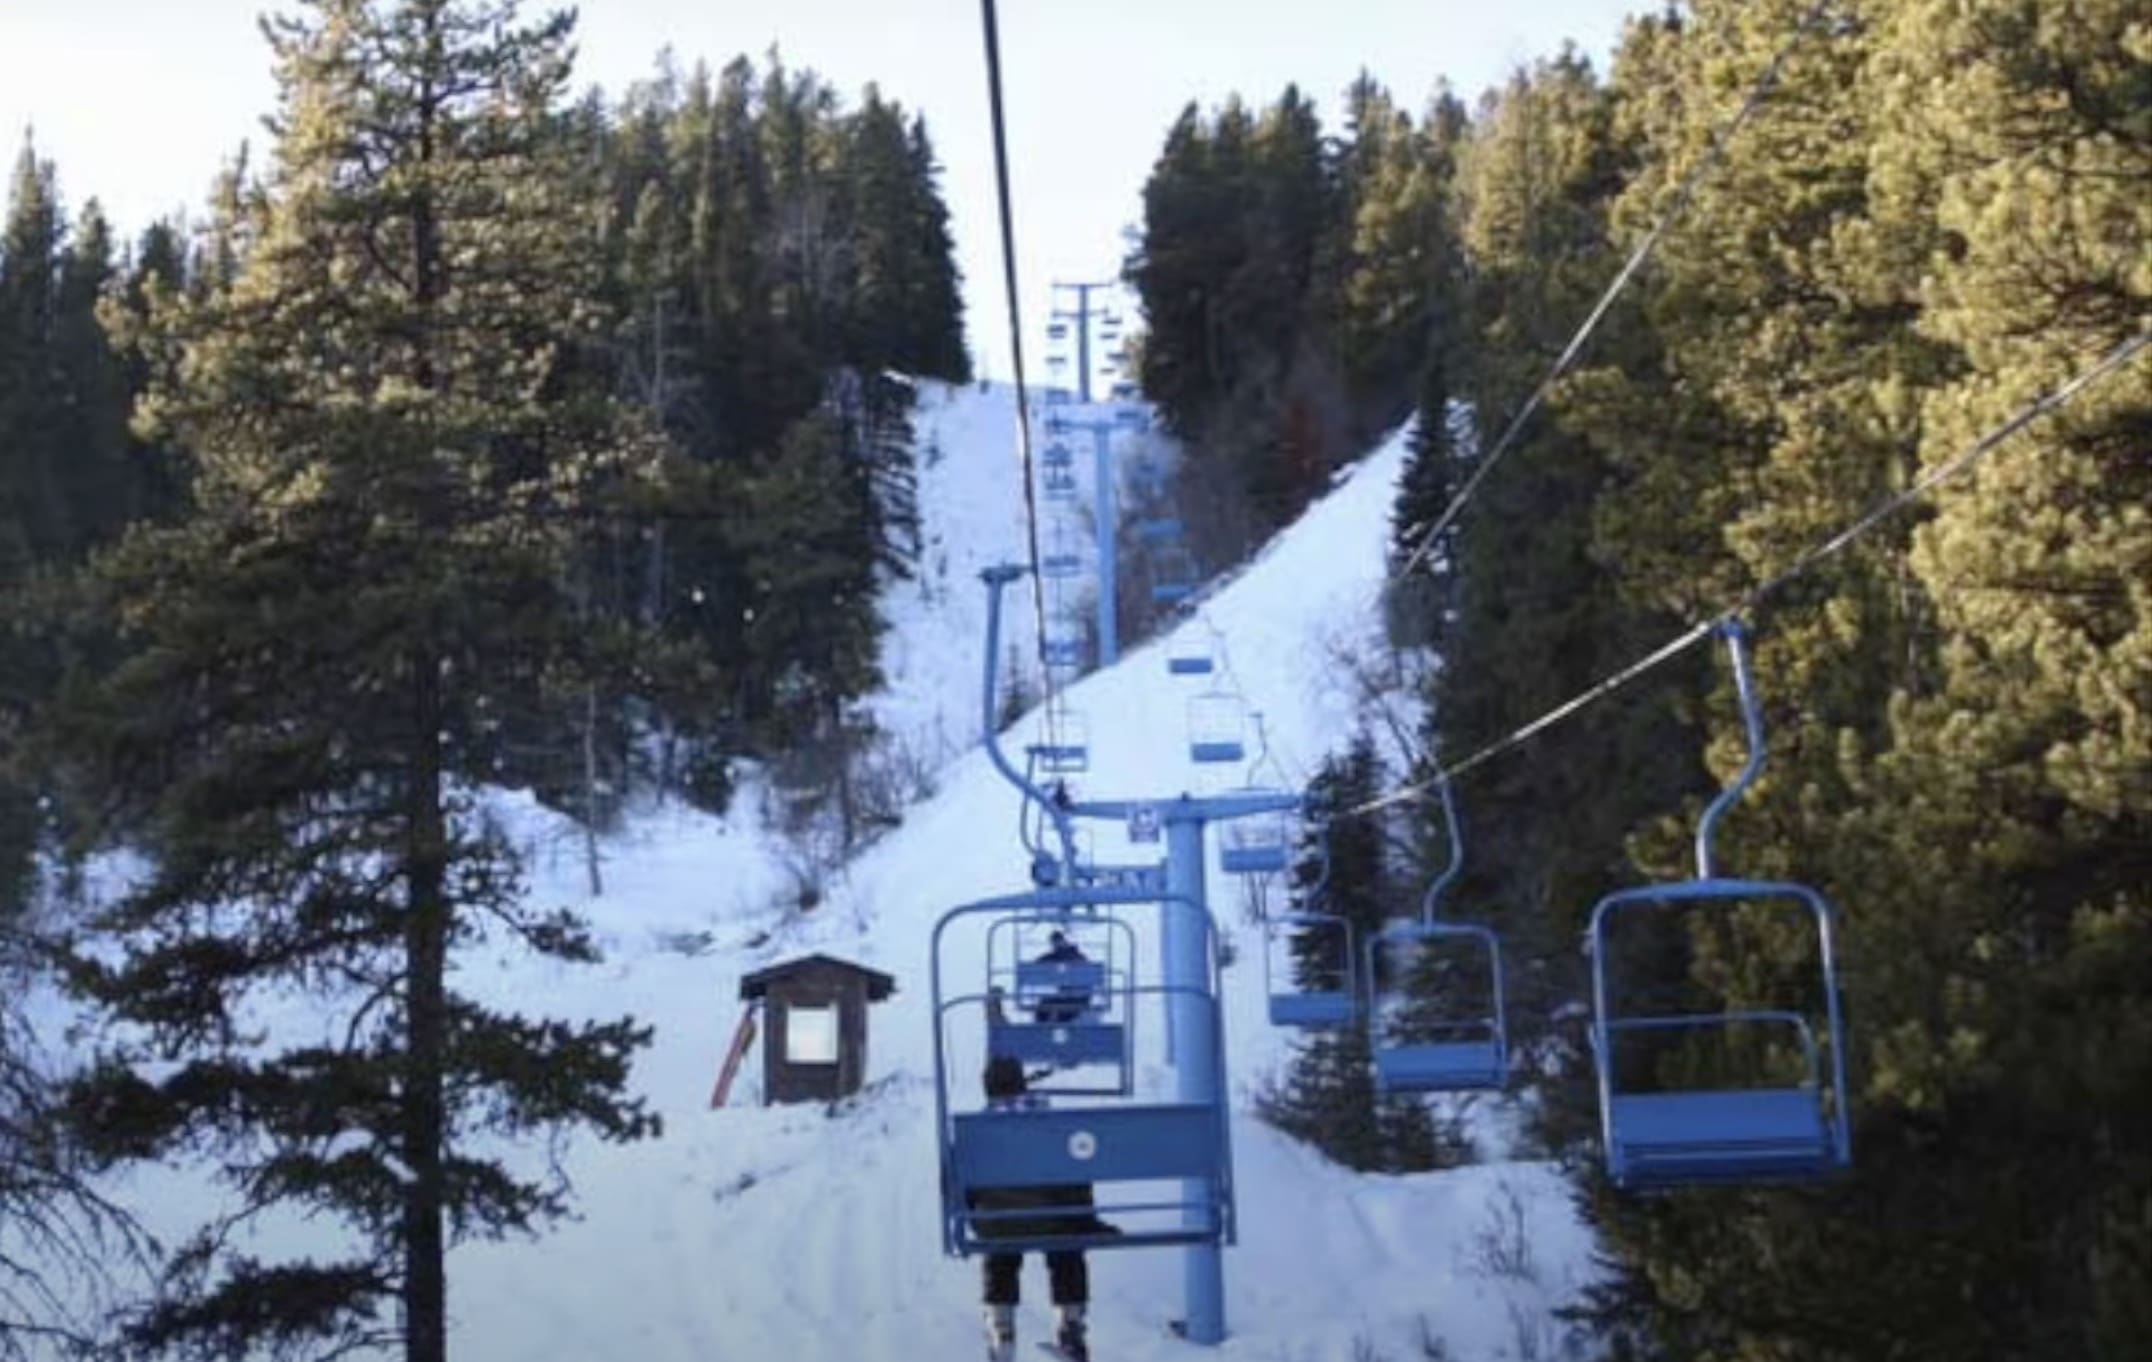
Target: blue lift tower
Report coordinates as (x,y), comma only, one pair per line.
(1195,1040)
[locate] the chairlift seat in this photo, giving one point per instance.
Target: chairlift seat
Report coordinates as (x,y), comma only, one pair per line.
(1170,593)
(1063,652)
(1061,566)
(1252,859)
(1191,664)
(1057,456)
(1447,1066)
(1058,1146)
(1666,1139)
(1043,980)
(1217,752)
(1064,758)
(1312,1011)
(1062,1043)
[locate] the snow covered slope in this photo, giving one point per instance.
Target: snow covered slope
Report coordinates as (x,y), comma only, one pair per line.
(798,1234)
(795,1234)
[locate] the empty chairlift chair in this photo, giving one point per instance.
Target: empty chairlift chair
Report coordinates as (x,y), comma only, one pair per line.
(1064,745)
(1309,963)
(1063,651)
(1216,729)
(1437,1016)
(1258,843)
(1062,558)
(1189,659)
(1173,574)
(1059,484)
(1696,1132)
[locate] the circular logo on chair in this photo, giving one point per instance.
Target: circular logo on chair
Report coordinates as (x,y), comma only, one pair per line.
(1082,1145)
(1061,1035)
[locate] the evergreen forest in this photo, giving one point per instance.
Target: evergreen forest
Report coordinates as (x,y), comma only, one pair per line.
(483,432)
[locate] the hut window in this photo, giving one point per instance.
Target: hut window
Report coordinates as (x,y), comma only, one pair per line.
(810,1035)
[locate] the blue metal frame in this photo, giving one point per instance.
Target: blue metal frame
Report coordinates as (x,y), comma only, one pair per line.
(1104,1143)
(1479,1058)
(1723,1135)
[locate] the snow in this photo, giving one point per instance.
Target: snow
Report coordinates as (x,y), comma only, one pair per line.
(806,1234)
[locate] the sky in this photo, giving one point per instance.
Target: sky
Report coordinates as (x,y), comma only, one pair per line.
(140,101)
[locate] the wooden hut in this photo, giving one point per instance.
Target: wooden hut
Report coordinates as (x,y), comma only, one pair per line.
(815,1012)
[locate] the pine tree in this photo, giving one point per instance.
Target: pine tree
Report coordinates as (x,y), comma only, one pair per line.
(394,458)
(34,511)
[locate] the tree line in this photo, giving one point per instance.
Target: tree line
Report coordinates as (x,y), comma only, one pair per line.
(1937,215)
(478,435)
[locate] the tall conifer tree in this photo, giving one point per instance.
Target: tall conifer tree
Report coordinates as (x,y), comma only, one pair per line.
(394,459)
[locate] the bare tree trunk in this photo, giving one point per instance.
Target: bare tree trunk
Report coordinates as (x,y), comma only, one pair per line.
(590,789)
(425,1116)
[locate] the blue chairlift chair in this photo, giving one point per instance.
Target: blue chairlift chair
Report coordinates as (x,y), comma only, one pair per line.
(1333,1004)
(1216,729)
(1063,651)
(1173,575)
(1426,1041)
(1160,1171)
(1057,455)
(1059,484)
(1189,659)
(1062,557)
(1698,1134)
(1129,418)
(1057,331)
(1064,747)
(1258,844)
(1124,392)
(1255,845)
(1158,530)
(1333,1000)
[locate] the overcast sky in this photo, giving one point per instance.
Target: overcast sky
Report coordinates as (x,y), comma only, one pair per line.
(140,100)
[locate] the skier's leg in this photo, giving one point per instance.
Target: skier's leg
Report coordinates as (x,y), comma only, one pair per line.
(1072,1292)
(1001,1273)
(1069,1276)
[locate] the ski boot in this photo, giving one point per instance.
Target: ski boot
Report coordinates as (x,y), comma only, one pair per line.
(1069,1339)
(1000,1333)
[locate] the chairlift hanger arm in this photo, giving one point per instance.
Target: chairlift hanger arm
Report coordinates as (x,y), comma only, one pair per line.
(996,578)
(1736,635)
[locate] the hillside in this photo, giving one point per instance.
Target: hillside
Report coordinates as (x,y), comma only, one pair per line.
(801,1234)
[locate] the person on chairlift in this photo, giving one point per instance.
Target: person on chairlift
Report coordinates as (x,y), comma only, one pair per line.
(1064,1211)
(1069,1001)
